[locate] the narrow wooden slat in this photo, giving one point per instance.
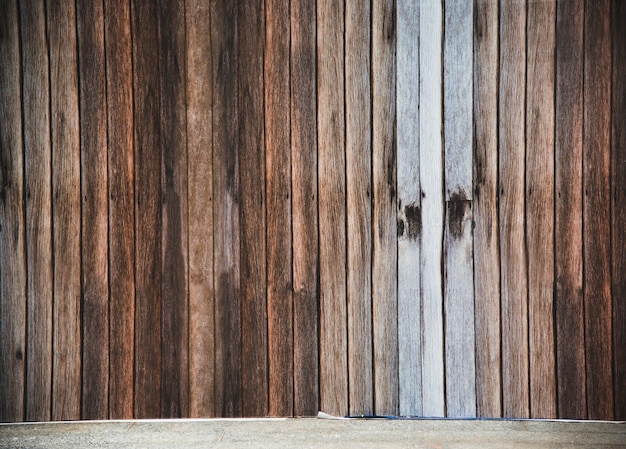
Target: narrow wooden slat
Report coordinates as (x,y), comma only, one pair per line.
(37,165)
(570,355)
(409,209)
(12,233)
(332,207)
(304,208)
(431,181)
(174,265)
(226,212)
(94,207)
(147,144)
(485,211)
(66,204)
(200,200)
(252,219)
(511,210)
(540,206)
(359,206)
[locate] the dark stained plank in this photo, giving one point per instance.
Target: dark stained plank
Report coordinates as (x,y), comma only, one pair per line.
(359,206)
(121,207)
(568,305)
(148,214)
(304,208)
(66,205)
(200,200)
(540,206)
(278,195)
(511,210)
(12,232)
(252,219)
(94,208)
(228,395)
(332,207)
(485,211)
(174,264)
(596,209)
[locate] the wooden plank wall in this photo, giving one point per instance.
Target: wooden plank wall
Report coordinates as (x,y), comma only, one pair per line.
(275,207)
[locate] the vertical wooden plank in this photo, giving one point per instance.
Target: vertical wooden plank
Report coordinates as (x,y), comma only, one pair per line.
(304,208)
(174,265)
(596,209)
(278,194)
(618,204)
(511,210)
(252,219)
(66,190)
(200,200)
(409,209)
(359,206)
(37,165)
(486,241)
(431,181)
(147,389)
(458,249)
(570,354)
(226,212)
(332,207)
(540,205)
(12,232)
(121,165)
(94,207)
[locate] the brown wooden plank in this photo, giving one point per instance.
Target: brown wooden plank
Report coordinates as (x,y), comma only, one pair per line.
(278,194)
(304,208)
(570,355)
(174,264)
(228,395)
(596,209)
(66,203)
(618,205)
(148,276)
(200,199)
(121,207)
(511,210)
(12,232)
(252,231)
(359,206)
(540,205)
(332,207)
(37,164)
(384,218)
(94,208)
(486,237)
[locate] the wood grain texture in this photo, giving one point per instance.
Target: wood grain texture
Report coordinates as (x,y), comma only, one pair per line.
(278,194)
(94,210)
(252,219)
(12,231)
(485,212)
(409,209)
(200,202)
(570,347)
(359,206)
(304,208)
(513,258)
(431,181)
(540,206)
(119,78)
(148,210)
(66,203)
(596,209)
(332,207)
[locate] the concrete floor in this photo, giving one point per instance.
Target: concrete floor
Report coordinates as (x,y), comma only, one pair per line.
(313,433)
